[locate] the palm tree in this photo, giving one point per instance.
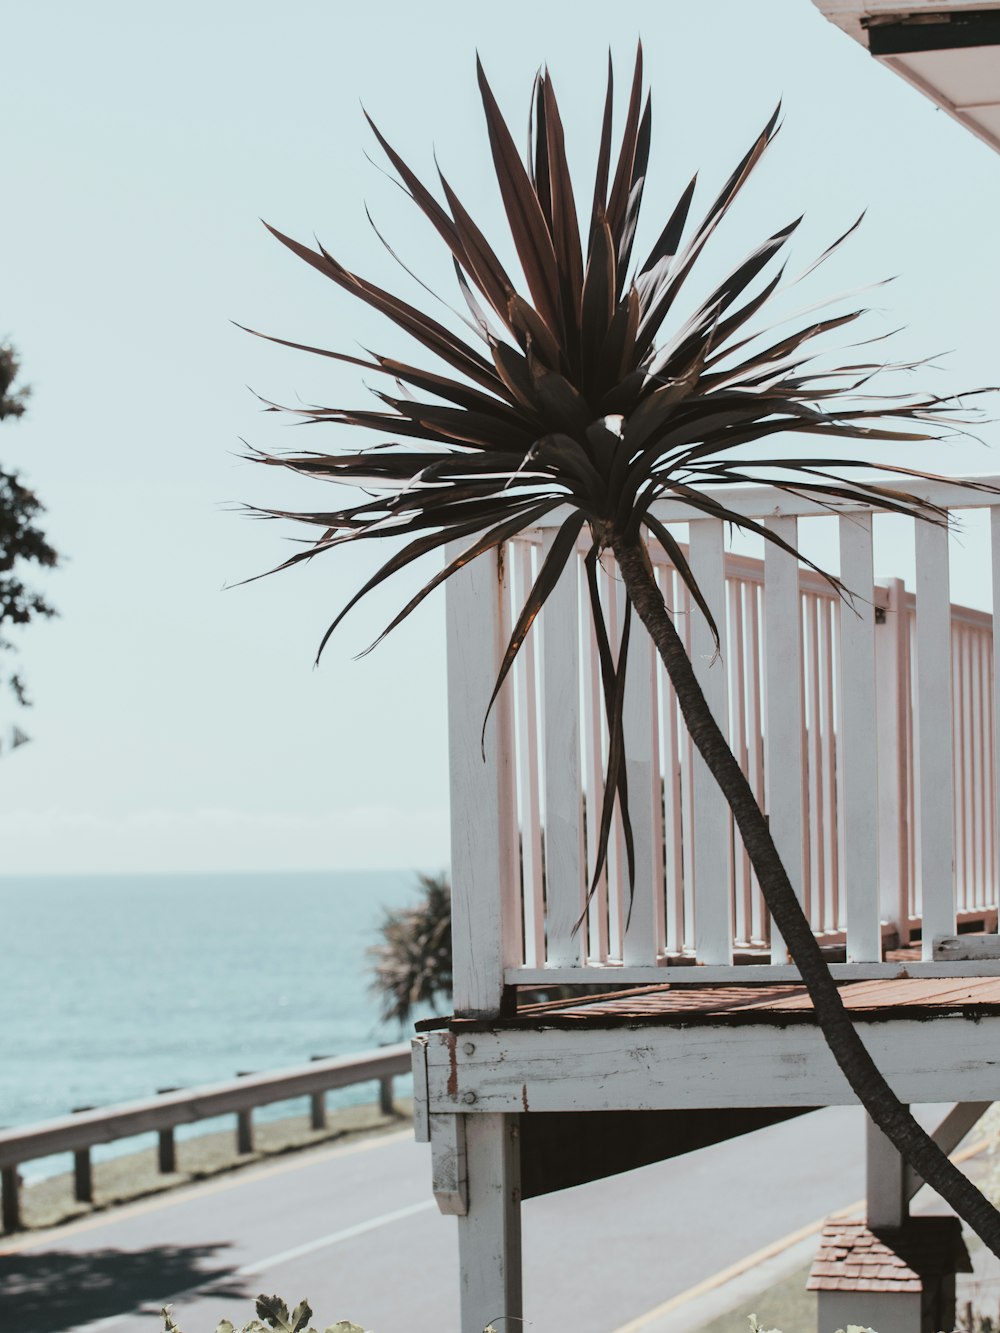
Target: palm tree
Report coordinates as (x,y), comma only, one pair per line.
(581,397)
(412,961)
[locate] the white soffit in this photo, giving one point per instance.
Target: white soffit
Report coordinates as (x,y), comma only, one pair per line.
(950,51)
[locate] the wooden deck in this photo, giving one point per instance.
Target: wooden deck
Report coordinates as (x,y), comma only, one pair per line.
(731,1005)
(688,1046)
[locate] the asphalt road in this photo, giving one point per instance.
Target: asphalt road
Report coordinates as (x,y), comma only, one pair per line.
(354,1230)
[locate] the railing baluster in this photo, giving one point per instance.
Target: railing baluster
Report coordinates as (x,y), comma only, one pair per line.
(755,696)
(564,874)
(857,802)
(643,772)
(738,730)
(813,896)
(528,749)
(671,726)
(593,730)
(934,708)
(712,876)
(783,767)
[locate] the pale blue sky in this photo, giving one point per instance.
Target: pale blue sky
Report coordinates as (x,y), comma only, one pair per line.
(179,726)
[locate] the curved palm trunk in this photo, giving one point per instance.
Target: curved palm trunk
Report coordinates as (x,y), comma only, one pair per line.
(871,1088)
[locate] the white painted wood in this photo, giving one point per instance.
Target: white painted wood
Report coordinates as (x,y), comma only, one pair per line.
(892,706)
(712,828)
(935,741)
(449,1167)
(484,859)
(675,739)
(887,1311)
(962,1118)
(617,871)
(597,911)
(857,803)
(958,948)
(785,773)
(643,771)
(765,502)
(525,704)
(885,1180)
(751,1064)
(564,871)
(421,1114)
(489,1234)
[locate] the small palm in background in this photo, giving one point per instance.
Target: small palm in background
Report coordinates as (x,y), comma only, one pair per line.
(412,964)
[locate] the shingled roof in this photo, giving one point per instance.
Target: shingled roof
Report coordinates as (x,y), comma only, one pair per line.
(851,1257)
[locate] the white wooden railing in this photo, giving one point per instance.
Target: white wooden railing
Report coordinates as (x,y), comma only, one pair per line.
(866,731)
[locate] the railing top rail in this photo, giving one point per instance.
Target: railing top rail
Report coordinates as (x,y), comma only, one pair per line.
(767,502)
(106,1124)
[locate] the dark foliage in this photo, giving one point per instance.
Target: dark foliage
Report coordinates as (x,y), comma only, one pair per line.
(21,541)
(412,963)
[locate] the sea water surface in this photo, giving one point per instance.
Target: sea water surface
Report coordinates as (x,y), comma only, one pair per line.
(116,986)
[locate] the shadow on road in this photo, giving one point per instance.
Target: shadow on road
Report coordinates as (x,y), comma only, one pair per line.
(59,1289)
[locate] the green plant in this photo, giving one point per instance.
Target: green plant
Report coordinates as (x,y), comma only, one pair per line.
(21,540)
(272,1314)
(581,397)
(412,962)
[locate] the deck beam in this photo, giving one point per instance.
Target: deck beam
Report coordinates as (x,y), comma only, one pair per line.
(659,1067)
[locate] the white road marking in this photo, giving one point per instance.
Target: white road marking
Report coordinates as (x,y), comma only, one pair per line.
(334,1238)
(263,1265)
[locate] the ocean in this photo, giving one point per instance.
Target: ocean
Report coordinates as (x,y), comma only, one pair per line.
(115,986)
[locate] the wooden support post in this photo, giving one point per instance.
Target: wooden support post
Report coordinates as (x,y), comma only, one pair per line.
(934,721)
(857,794)
(784,771)
(713,926)
(484,860)
(10,1199)
(489,1234)
(83,1176)
(888,1200)
(892,714)
(386,1104)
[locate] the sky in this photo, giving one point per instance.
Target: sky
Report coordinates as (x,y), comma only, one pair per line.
(179,723)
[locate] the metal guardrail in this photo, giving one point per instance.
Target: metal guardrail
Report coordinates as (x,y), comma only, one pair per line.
(83,1130)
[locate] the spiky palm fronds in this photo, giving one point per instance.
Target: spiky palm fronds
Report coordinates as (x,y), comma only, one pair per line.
(585,393)
(412,963)
(579,397)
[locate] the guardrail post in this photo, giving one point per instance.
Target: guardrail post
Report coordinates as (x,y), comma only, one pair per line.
(83,1176)
(244,1132)
(385,1102)
(166,1154)
(10,1198)
(244,1123)
(317,1103)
